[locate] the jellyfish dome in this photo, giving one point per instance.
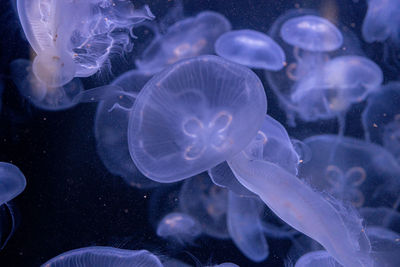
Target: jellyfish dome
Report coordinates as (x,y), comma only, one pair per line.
(194,115)
(187,38)
(180,226)
(12,182)
(104,257)
(311,33)
(319,258)
(252,49)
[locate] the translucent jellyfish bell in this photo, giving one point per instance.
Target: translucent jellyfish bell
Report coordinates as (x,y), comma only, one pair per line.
(187,38)
(319,258)
(12,182)
(311,33)
(179,226)
(194,115)
(104,257)
(252,49)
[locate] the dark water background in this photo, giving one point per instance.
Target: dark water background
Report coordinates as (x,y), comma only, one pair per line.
(71,200)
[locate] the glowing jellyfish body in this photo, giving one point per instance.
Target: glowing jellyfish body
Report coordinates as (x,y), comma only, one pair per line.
(104,257)
(190,37)
(319,258)
(111,128)
(311,33)
(179,226)
(352,170)
(194,115)
(40,95)
(245,227)
(381,118)
(252,49)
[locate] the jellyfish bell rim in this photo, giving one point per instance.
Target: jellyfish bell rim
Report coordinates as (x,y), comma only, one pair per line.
(146,91)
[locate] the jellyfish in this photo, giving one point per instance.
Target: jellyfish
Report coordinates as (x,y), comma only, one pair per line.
(77,41)
(381,118)
(12,183)
(179,226)
(319,258)
(187,38)
(104,257)
(192,116)
(252,49)
(384,217)
(245,227)
(111,128)
(381,24)
(207,203)
(40,95)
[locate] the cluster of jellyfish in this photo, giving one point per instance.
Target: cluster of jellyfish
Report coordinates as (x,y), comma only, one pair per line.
(192,110)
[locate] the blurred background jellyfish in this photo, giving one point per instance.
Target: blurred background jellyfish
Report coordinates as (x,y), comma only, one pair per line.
(180,227)
(352,170)
(77,41)
(111,128)
(381,118)
(186,38)
(381,24)
(12,183)
(104,257)
(192,116)
(252,49)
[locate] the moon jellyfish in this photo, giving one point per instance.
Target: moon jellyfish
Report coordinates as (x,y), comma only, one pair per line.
(245,227)
(194,115)
(252,49)
(104,257)
(179,226)
(319,258)
(12,183)
(74,38)
(311,33)
(207,203)
(38,93)
(111,128)
(381,118)
(352,170)
(385,246)
(187,38)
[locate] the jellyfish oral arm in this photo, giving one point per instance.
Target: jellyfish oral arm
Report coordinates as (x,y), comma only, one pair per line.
(304,209)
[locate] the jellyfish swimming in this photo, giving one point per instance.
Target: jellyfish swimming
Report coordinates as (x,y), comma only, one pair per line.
(12,183)
(179,226)
(192,116)
(187,38)
(74,39)
(319,258)
(352,170)
(381,118)
(104,257)
(252,49)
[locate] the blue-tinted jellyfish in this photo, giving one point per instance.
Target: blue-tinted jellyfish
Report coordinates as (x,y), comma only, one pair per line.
(180,227)
(381,118)
(352,170)
(245,227)
(38,93)
(385,246)
(207,203)
(311,33)
(187,38)
(104,257)
(111,128)
(319,258)
(12,183)
(192,116)
(77,42)
(252,49)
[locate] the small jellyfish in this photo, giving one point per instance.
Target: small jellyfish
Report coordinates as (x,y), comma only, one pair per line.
(38,93)
(252,49)
(179,226)
(12,183)
(187,38)
(311,33)
(104,257)
(192,116)
(245,227)
(352,170)
(319,258)
(76,42)
(111,128)
(207,203)
(381,118)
